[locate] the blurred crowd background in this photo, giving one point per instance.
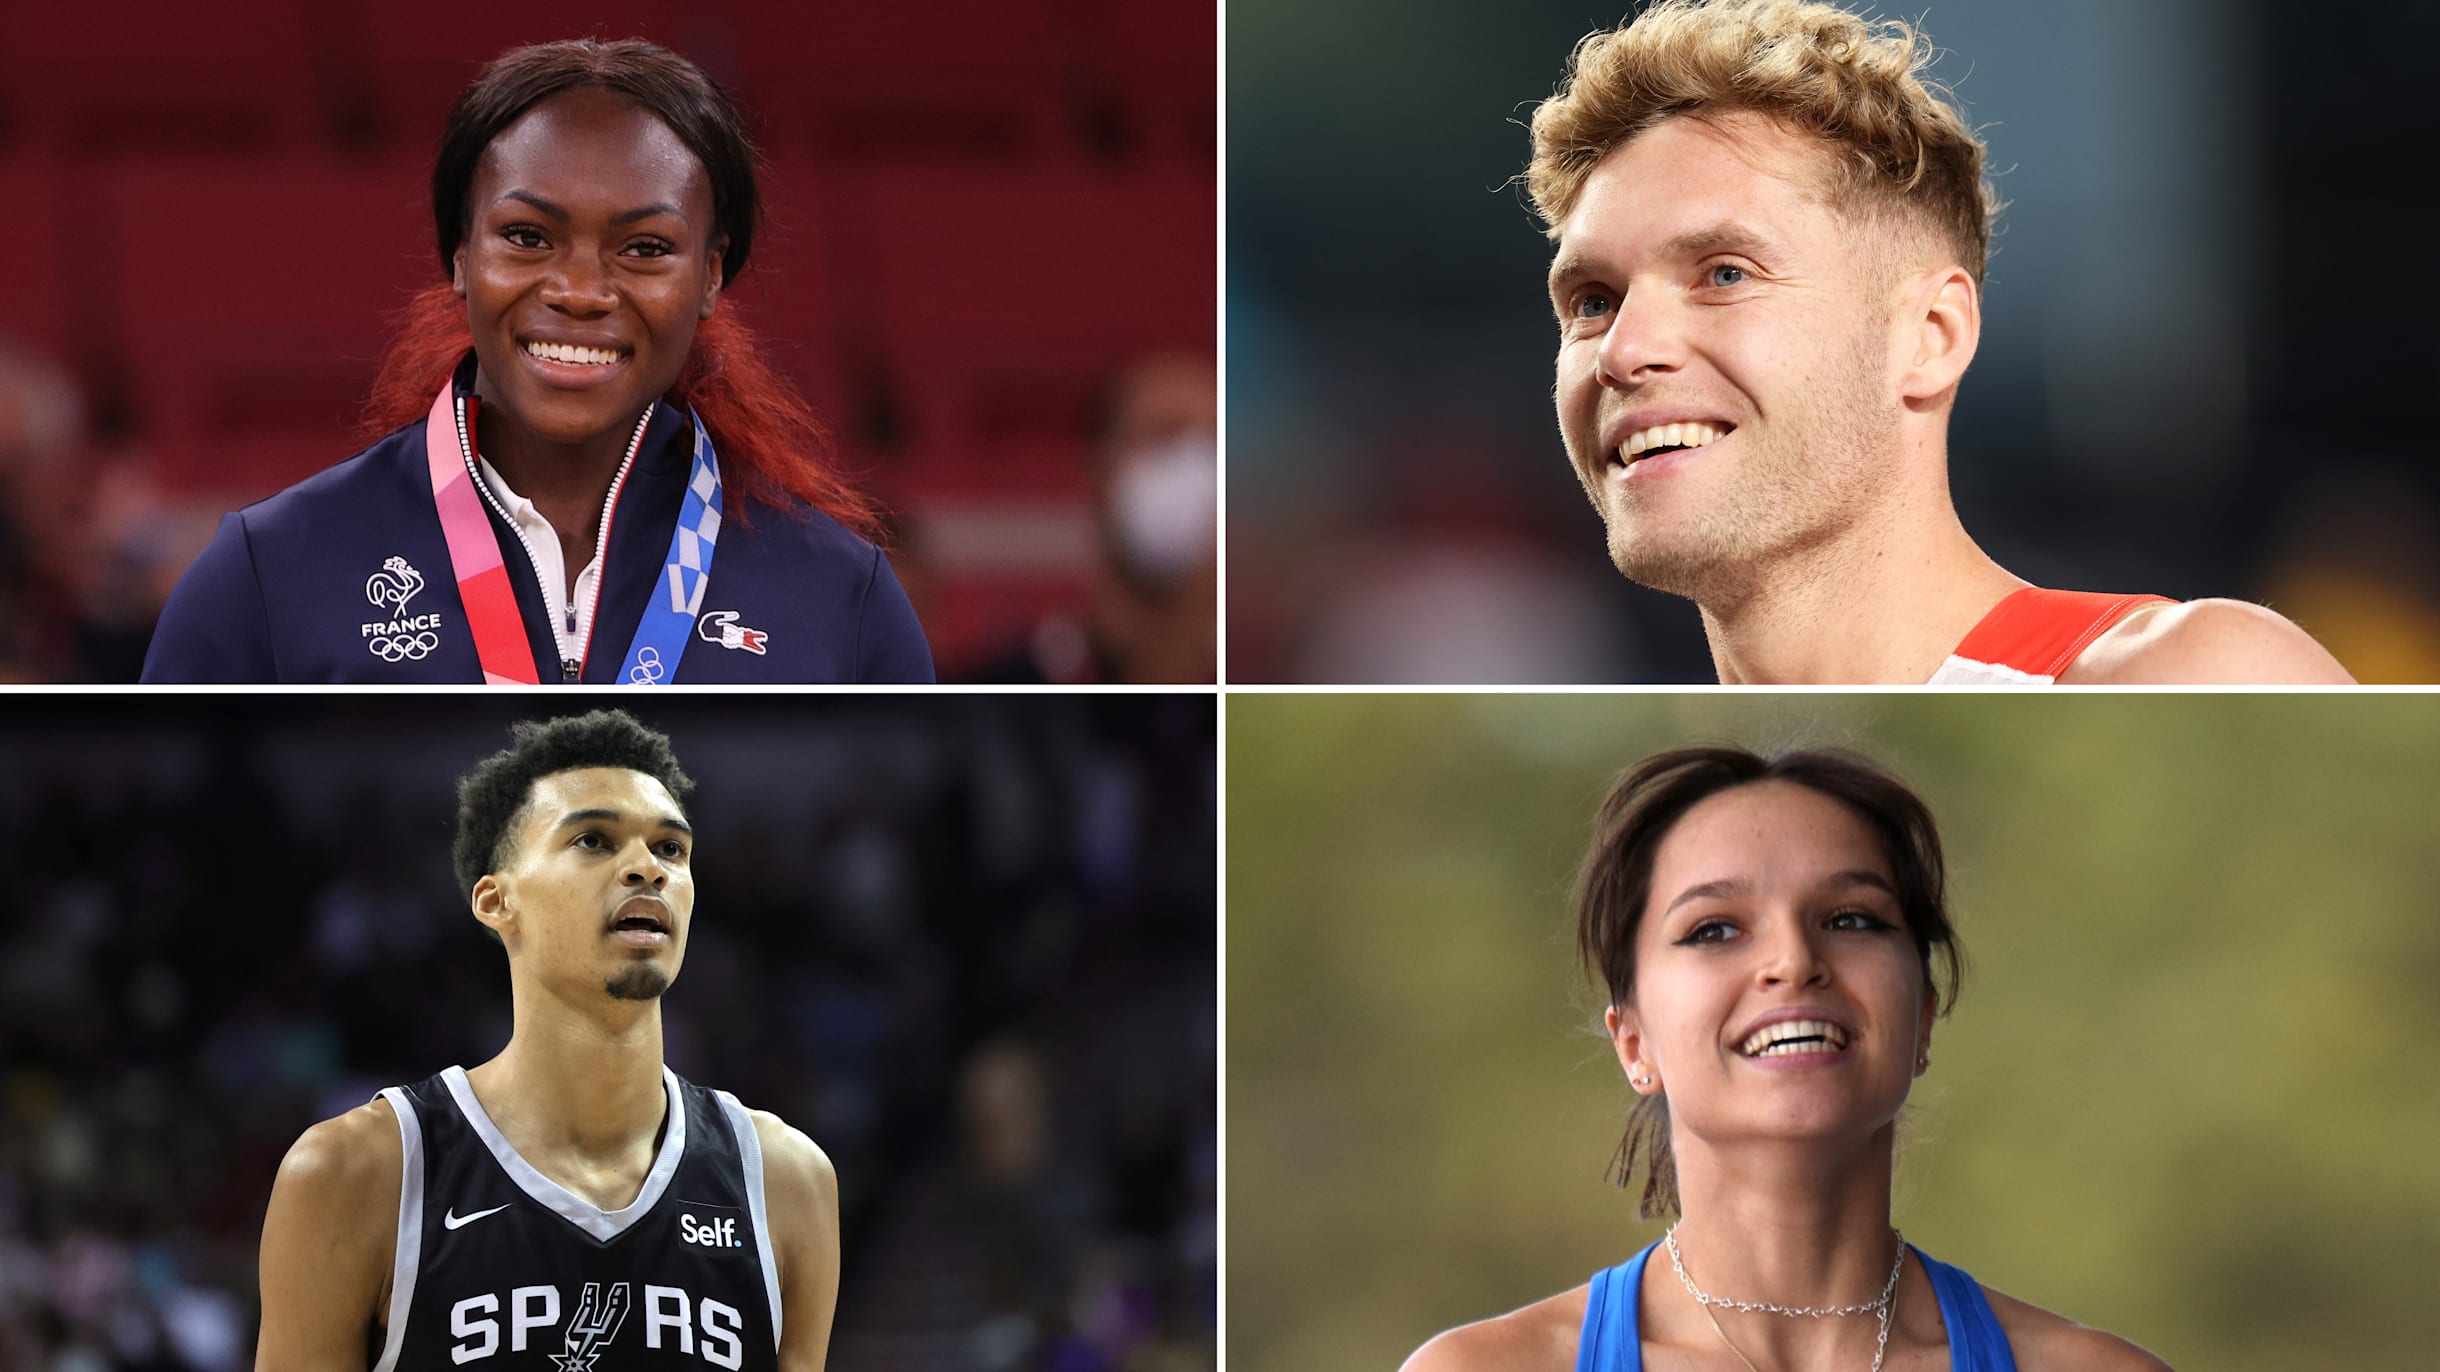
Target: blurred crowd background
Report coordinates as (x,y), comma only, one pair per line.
(2185,1094)
(989,260)
(2199,318)
(967,945)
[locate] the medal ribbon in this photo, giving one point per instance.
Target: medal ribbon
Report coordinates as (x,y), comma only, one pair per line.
(498,626)
(669,617)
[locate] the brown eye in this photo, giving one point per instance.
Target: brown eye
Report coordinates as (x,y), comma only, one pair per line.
(1709,931)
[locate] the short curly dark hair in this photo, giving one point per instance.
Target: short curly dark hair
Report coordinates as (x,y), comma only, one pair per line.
(491,796)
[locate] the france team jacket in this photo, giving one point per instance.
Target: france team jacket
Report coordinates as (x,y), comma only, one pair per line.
(345,578)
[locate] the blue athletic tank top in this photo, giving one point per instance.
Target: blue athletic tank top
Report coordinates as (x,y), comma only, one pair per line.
(1612,1341)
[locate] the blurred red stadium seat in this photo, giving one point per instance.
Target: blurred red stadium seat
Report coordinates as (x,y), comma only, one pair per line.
(999,299)
(34,308)
(254,304)
(955,81)
(995,303)
(167,76)
(1161,60)
(785,292)
(419,57)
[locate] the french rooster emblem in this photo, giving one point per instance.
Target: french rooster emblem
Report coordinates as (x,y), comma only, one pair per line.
(394,585)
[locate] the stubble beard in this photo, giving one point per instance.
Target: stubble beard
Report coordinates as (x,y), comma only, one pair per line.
(1818,467)
(643,981)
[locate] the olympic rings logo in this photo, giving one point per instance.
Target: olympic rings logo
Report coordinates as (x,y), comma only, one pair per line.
(405,647)
(647,670)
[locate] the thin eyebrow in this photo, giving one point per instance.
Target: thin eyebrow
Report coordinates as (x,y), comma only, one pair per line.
(1863,878)
(561,214)
(1569,266)
(1708,889)
(1732,886)
(537,202)
(648,211)
(1726,236)
(598,816)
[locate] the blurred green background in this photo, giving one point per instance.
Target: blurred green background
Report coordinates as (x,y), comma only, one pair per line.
(2187,1094)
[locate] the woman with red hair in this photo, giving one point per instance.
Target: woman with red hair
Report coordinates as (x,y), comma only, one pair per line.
(574,441)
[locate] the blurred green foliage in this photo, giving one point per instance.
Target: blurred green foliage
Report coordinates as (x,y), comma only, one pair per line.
(2187,1094)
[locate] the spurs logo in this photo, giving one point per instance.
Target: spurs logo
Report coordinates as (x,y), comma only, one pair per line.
(596,1324)
(393,586)
(647,669)
(721,627)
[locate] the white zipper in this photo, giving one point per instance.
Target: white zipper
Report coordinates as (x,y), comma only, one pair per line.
(571,664)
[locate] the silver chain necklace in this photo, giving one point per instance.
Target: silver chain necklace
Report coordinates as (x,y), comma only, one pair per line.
(1879,1306)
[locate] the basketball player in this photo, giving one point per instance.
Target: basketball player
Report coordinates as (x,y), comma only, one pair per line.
(1768,283)
(570,1204)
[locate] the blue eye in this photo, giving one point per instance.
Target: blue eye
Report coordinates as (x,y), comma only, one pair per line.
(1712,274)
(1592,305)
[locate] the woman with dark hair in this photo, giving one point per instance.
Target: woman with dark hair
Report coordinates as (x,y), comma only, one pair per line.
(575,444)
(1774,937)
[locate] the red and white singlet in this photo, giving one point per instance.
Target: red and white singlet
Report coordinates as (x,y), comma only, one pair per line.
(2032,636)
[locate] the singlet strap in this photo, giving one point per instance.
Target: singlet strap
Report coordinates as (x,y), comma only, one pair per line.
(2034,634)
(1976,1342)
(1613,1337)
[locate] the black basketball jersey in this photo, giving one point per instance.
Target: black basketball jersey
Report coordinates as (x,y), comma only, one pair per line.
(500,1269)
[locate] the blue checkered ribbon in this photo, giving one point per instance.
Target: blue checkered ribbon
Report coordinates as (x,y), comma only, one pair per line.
(669,617)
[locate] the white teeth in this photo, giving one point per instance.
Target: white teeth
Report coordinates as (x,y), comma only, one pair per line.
(1682,435)
(1776,1040)
(570,353)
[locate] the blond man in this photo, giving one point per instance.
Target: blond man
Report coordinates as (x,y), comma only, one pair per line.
(1771,234)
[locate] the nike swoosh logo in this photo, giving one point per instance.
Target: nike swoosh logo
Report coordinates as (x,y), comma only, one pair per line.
(454,1220)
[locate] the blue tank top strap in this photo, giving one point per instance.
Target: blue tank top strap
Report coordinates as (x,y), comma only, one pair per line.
(1612,1339)
(1976,1342)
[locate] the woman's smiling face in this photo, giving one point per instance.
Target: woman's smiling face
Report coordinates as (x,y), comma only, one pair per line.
(590,257)
(1778,992)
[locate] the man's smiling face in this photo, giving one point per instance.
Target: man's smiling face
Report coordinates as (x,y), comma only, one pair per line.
(1724,387)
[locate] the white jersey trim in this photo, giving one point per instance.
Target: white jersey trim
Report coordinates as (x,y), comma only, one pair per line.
(1965,671)
(410,1250)
(550,1195)
(749,1150)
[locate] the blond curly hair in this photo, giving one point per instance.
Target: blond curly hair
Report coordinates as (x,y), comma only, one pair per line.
(1903,152)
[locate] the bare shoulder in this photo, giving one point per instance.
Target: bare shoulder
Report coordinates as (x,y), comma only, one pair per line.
(2044,1342)
(1541,1337)
(352,1162)
(794,1166)
(329,1234)
(2206,643)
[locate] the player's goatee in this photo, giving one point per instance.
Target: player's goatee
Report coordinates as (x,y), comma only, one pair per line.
(638,983)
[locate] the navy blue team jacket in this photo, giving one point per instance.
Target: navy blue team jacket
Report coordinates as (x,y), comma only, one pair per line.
(307,586)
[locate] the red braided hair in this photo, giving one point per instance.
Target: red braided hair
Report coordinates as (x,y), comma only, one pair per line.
(773,448)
